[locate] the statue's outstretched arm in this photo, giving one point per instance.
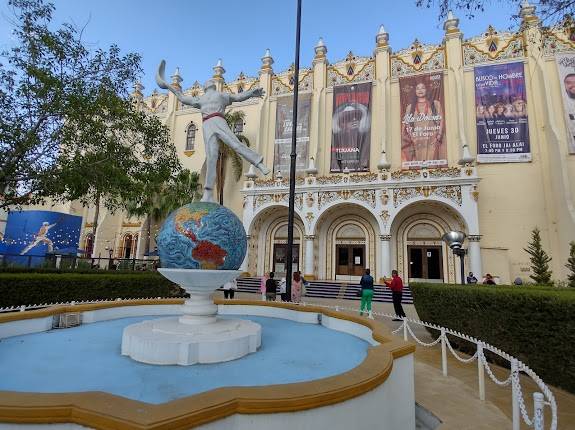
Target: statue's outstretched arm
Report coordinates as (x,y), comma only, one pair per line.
(256,92)
(161,81)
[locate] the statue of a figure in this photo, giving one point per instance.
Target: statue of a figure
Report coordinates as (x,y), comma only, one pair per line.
(212,105)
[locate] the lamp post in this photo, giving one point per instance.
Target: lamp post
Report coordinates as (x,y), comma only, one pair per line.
(293,155)
(454,240)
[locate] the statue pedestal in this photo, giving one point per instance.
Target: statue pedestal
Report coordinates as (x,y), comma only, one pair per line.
(198,336)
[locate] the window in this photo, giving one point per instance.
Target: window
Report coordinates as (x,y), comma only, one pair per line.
(89,245)
(191,137)
(239,126)
(127,246)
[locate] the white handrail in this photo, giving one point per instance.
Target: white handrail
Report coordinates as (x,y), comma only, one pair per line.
(540,400)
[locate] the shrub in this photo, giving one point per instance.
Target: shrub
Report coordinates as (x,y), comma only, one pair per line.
(536,324)
(539,259)
(36,288)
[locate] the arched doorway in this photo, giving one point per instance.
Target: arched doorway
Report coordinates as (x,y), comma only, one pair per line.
(346,242)
(89,245)
(127,246)
(419,253)
(267,242)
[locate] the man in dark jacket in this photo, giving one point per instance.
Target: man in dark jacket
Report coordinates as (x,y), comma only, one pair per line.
(396,287)
(366,293)
(271,286)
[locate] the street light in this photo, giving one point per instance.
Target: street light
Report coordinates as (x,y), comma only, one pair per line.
(454,240)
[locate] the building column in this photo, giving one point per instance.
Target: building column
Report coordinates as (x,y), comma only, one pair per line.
(385,243)
(244,266)
(474,252)
(308,268)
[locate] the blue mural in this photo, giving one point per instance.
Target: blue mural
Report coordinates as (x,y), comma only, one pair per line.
(30,235)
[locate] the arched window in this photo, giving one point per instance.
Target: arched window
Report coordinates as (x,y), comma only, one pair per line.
(89,245)
(239,126)
(191,137)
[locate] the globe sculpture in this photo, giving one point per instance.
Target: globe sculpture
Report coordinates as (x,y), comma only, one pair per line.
(202,235)
(201,246)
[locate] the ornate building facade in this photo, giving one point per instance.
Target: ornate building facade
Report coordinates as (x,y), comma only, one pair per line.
(390,209)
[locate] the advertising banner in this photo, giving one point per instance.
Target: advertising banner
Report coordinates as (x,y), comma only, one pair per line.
(282,143)
(422,121)
(35,233)
(351,128)
(501,114)
(566,69)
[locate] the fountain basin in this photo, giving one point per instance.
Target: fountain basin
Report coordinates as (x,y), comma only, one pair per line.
(376,393)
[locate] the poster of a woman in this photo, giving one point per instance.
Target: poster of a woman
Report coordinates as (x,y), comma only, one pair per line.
(422,121)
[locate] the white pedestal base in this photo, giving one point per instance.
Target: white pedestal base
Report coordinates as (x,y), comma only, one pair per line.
(168,341)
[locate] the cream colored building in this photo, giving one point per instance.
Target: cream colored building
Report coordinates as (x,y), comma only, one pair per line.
(390,218)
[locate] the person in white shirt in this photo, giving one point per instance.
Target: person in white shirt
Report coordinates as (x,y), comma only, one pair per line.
(230,288)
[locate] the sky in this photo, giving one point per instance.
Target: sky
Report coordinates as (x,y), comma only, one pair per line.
(194,34)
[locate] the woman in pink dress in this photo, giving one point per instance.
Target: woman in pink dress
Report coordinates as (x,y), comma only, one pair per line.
(296,288)
(263,286)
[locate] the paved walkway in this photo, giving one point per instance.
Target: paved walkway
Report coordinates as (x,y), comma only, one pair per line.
(454,399)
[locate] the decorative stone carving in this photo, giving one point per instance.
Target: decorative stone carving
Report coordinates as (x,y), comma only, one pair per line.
(405,174)
(450,192)
(449,172)
(367,196)
(473,54)
(552,44)
(384,197)
(474,238)
(283,83)
(475,193)
(385,218)
(365,73)
(386,237)
(310,200)
(424,58)
(309,217)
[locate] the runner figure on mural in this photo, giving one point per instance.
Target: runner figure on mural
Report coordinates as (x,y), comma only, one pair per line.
(423,127)
(212,105)
(40,237)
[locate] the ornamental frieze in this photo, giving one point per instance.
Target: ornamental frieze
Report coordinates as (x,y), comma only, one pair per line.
(284,83)
(281,198)
(365,72)
(405,174)
(401,67)
(472,54)
(554,45)
(449,192)
(367,196)
(269,183)
(449,172)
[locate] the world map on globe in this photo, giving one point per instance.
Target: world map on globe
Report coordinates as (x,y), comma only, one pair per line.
(202,235)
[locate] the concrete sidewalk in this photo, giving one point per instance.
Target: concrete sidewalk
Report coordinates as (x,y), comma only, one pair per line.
(454,399)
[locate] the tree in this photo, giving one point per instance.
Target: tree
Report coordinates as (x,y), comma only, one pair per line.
(571,265)
(159,200)
(550,11)
(539,259)
(227,153)
(68,130)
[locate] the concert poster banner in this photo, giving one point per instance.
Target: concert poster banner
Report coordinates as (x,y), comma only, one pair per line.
(351,128)
(566,69)
(501,114)
(422,102)
(30,235)
(283,137)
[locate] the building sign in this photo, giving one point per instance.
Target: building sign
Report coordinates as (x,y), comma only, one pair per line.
(566,69)
(30,235)
(282,143)
(501,114)
(351,128)
(422,121)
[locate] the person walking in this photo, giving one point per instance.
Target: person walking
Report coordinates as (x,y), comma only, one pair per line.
(230,288)
(396,287)
(366,283)
(271,286)
(296,287)
(263,281)
(283,289)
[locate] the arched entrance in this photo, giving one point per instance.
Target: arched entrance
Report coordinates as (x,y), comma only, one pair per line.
(346,242)
(267,243)
(419,254)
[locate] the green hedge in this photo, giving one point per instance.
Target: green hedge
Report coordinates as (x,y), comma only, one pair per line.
(87,270)
(534,324)
(36,288)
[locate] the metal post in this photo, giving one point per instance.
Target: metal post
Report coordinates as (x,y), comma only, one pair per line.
(515,394)
(443,352)
(538,405)
(293,155)
(404,330)
(462,263)
(480,371)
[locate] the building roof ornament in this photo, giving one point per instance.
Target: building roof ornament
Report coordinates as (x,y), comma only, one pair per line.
(451,24)
(177,79)
(219,70)
(320,50)
(526,10)
(382,37)
(267,62)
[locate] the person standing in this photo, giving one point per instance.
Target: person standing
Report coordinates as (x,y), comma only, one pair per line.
(263,286)
(230,288)
(396,287)
(296,287)
(271,286)
(283,288)
(366,283)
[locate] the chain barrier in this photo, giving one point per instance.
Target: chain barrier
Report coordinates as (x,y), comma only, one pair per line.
(514,378)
